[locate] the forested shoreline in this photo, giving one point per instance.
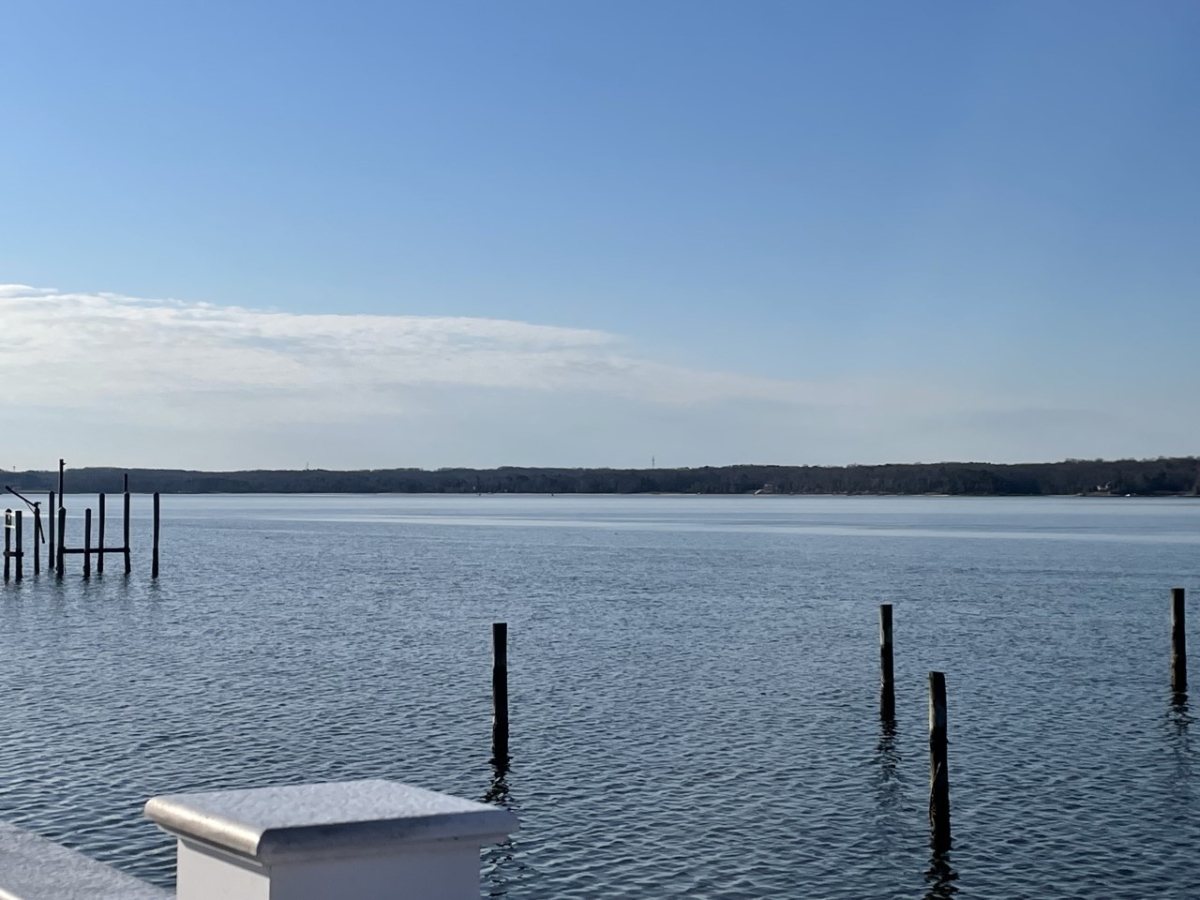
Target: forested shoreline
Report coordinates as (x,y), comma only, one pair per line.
(1157,477)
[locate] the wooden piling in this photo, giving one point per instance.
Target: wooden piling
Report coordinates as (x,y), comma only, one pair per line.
(154,564)
(939,776)
(62,499)
(20,542)
(7,543)
(37,539)
(500,691)
(1178,642)
(887,683)
(128,561)
(87,543)
(100,540)
(50,557)
(62,539)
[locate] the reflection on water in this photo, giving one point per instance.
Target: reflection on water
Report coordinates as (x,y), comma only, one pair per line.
(941,878)
(1179,740)
(1180,717)
(498,792)
(501,864)
(889,788)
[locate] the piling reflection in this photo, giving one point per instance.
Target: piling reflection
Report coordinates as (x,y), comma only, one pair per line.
(941,878)
(1179,720)
(889,787)
(1179,714)
(498,791)
(501,868)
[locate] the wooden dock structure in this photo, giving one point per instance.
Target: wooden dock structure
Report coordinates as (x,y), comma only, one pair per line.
(55,536)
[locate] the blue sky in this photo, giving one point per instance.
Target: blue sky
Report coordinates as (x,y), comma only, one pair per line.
(793,232)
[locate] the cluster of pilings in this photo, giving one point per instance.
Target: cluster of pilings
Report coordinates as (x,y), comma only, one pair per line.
(939,778)
(939,775)
(56,536)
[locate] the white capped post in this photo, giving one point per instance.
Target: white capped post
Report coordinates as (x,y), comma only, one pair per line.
(355,840)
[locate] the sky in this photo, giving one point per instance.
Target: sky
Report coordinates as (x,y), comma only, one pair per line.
(367,235)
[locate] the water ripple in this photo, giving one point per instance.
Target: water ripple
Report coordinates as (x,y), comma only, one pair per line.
(694,692)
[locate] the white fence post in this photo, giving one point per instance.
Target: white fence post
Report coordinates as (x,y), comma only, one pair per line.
(357,840)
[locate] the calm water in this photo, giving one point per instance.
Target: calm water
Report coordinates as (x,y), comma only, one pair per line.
(694,685)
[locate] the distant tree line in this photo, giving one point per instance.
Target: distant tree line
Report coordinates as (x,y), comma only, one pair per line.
(1127,476)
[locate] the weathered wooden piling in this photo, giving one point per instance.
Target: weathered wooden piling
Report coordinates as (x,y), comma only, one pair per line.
(887,683)
(939,776)
(500,691)
(18,531)
(100,539)
(37,539)
(62,515)
(62,539)
(87,543)
(154,564)
(50,557)
(7,543)
(128,561)
(1178,641)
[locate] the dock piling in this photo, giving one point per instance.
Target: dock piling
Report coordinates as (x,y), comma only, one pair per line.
(887,683)
(50,557)
(1178,641)
(100,540)
(62,539)
(154,564)
(500,692)
(20,542)
(37,538)
(128,561)
(87,543)
(7,543)
(939,776)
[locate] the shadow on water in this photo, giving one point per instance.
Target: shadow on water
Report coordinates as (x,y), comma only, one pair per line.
(941,878)
(502,869)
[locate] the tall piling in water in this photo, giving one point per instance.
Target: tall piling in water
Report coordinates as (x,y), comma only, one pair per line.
(53,513)
(62,539)
(100,539)
(500,692)
(887,683)
(1178,641)
(939,776)
(128,560)
(154,564)
(37,539)
(7,544)
(20,541)
(87,543)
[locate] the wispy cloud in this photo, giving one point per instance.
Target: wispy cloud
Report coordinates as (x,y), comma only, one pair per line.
(66,349)
(207,385)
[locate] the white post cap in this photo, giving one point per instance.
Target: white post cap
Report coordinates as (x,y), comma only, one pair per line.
(357,840)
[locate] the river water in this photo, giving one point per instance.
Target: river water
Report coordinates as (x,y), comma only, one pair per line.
(694,685)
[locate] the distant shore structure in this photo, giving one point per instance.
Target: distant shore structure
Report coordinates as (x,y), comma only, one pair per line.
(55,536)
